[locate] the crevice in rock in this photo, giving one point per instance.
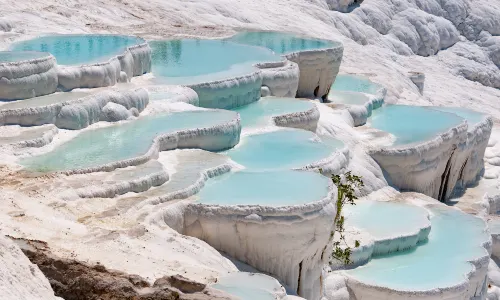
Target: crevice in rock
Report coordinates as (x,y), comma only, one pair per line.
(445,178)
(461,174)
(298,280)
(316,90)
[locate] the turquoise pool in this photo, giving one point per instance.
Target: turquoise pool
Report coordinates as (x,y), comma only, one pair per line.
(281,149)
(79,49)
(191,61)
(455,238)
(354,83)
(121,141)
(13,56)
(412,124)
(350,98)
(384,220)
(275,188)
(473,117)
(260,113)
(280,42)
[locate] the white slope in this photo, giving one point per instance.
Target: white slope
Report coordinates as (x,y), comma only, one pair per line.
(19,278)
(381,38)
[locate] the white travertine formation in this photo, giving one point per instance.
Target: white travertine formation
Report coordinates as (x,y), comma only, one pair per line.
(360,112)
(28,137)
(370,245)
(307,120)
(276,240)
(342,5)
(473,285)
(172,94)
(113,112)
(75,114)
(229,93)
(418,79)
(436,167)
(5,25)
(318,69)
(467,161)
(28,78)
(282,78)
(135,61)
(111,184)
(333,164)
(19,278)
(495,237)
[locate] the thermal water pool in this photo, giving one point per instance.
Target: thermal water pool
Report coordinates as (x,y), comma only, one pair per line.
(412,124)
(282,149)
(274,188)
(79,49)
(350,98)
(408,224)
(280,42)
(473,117)
(443,261)
(260,113)
(114,143)
(190,61)
(14,56)
(354,83)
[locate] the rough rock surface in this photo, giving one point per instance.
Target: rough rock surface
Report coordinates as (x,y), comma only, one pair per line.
(74,280)
(113,112)
(19,278)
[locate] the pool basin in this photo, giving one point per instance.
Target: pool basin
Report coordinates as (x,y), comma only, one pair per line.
(282,149)
(413,124)
(137,141)
(79,49)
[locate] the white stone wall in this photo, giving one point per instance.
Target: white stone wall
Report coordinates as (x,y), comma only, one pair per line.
(277,240)
(28,78)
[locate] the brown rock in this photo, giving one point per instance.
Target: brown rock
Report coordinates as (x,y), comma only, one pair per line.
(181,283)
(74,280)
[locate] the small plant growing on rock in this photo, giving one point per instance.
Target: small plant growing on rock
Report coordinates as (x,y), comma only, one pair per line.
(346,188)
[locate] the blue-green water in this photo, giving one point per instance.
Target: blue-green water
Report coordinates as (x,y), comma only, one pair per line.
(122,141)
(280,42)
(79,49)
(247,286)
(281,149)
(259,113)
(386,219)
(354,83)
(194,61)
(343,97)
(412,124)
(473,117)
(12,56)
(455,238)
(275,188)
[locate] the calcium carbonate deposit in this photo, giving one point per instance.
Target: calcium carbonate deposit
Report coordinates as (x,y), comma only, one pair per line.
(184,149)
